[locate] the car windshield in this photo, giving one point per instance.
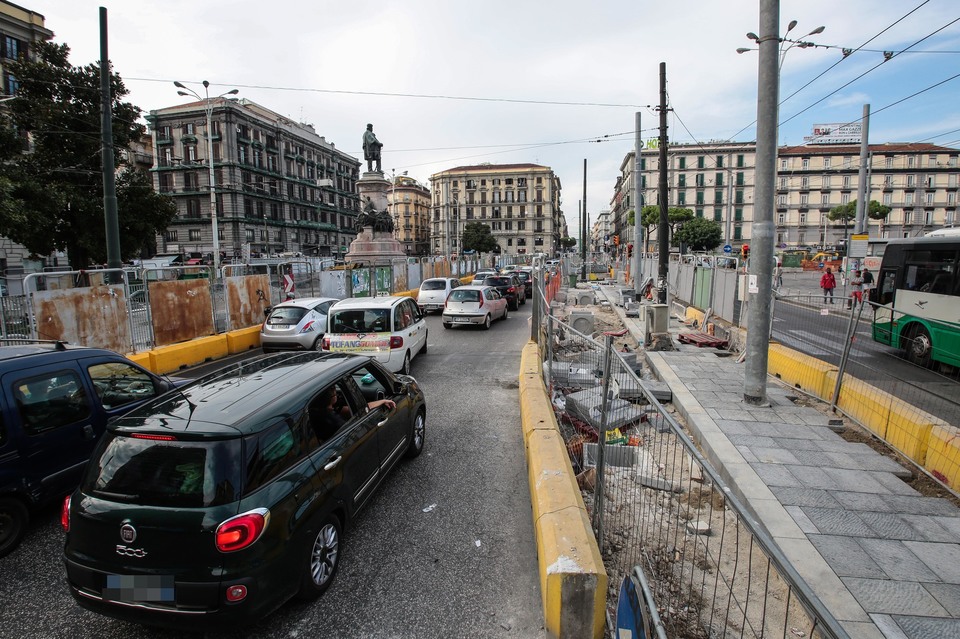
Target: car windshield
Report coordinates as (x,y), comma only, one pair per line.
(497,281)
(360,320)
(523,275)
(433,285)
(460,295)
(286,315)
(154,472)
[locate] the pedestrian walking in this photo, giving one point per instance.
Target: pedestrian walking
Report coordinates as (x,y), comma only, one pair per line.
(778,275)
(867,282)
(828,282)
(856,290)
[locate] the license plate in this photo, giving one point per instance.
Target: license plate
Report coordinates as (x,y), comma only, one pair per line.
(461,319)
(279,327)
(134,588)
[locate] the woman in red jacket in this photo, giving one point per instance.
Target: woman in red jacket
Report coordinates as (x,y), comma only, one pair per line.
(828,282)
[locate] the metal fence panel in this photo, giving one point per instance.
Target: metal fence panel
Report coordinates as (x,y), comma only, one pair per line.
(89,316)
(656,502)
(247,297)
(335,284)
(181,310)
(702,287)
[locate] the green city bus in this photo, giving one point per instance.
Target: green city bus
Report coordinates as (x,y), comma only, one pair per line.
(917,298)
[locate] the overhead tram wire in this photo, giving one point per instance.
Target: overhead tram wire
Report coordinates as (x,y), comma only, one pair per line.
(884,61)
(425,96)
(832,66)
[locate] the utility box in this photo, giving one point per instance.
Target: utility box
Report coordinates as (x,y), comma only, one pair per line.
(657,318)
(585,298)
(582,321)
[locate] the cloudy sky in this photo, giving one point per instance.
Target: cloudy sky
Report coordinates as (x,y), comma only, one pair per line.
(448,83)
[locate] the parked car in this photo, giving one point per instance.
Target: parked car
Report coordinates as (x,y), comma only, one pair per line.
(433,292)
(216,504)
(474,305)
(296,324)
(510,288)
(390,329)
(55,401)
(479,276)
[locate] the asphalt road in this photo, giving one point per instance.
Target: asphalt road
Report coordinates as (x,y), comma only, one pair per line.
(799,324)
(445,549)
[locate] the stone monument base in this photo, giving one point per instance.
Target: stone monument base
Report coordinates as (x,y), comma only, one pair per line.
(373,248)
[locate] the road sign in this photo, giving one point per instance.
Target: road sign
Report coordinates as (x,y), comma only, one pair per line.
(727,248)
(858,246)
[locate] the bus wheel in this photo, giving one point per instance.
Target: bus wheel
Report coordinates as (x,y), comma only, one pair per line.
(920,347)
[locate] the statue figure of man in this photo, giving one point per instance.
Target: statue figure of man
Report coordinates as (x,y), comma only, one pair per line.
(371,148)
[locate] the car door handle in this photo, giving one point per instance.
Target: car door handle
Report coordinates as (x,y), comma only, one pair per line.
(383,423)
(330,465)
(88,432)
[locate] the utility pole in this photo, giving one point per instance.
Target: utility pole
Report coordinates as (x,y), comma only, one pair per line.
(760,277)
(583,233)
(637,207)
(111,220)
(663,233)
(863,190)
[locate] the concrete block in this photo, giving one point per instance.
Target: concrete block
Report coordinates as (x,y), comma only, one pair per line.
(943,454)
(698,527)
(893,597)
(167,359)
(660,391)
(582,321)
(587,405)
(243,339)
(613,455)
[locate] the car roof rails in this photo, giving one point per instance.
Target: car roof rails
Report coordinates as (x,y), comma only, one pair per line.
(59,344)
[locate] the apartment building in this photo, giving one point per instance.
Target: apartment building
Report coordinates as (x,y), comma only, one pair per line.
(519,202)
(19,29)
(409,203)
(280,187)
(601,240)
(918,181)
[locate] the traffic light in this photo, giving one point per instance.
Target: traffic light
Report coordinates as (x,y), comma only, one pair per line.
(745,251)
(616,240)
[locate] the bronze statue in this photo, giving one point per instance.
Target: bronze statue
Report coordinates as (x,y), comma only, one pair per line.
(383,222)
(371,148)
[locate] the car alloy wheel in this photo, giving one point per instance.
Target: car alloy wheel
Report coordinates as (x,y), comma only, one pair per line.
(318,345)
(486,322)
(323,559)
(418,435)
(505,312)
(405,369)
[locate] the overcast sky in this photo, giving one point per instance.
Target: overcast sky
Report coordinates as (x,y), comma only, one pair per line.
(334,64)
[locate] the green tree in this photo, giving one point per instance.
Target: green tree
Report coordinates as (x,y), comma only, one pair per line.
(477,237)
(568,242)
(700,234)
(56,191)
(678,217)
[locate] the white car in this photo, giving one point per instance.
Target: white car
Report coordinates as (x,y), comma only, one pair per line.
(392,330)
(296,324)
(433,292)
(474,305)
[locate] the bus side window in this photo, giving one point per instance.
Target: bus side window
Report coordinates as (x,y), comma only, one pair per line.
(888,282)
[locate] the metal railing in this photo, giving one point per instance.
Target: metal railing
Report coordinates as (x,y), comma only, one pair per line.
(895,391)
(656,502)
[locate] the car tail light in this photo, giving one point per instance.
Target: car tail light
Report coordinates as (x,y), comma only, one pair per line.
(481,300)
(156,438)
(239,532)
(307,326)
(65,514)
(236,592)
(325,343)
(511,290)
(396,341)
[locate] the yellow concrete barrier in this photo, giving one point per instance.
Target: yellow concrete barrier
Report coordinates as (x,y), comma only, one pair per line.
(243,339)
(168,359)
(943,455)
(861,401)
(573,581)
(143,359)
(800,371)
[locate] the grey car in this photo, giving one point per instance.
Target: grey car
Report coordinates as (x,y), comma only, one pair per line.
(296,324)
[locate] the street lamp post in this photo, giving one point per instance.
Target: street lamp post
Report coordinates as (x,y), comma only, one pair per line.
(208,107)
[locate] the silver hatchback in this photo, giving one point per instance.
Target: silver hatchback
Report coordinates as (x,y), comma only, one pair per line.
(296,324)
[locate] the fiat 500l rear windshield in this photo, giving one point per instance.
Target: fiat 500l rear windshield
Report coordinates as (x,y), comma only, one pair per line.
(150,472)
(361,320)
(287,315)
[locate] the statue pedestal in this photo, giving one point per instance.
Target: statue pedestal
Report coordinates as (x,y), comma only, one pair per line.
(374,248)
(373,185)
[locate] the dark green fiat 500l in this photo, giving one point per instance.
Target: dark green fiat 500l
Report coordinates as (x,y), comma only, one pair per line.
(220,502)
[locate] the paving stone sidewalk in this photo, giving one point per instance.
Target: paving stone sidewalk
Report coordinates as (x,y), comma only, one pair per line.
(884,559)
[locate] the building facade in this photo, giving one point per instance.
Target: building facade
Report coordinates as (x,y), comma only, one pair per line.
(601,240)
(19,29)
(409,203)
(918,181)
(281,188)
(519,202)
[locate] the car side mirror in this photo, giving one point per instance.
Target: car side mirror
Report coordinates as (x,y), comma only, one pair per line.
(399,388)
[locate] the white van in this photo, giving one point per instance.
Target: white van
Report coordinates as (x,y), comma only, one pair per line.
(390,329)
